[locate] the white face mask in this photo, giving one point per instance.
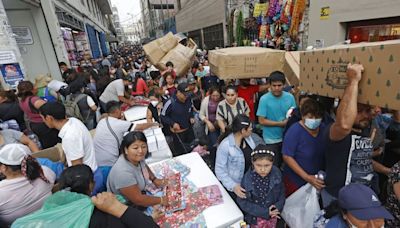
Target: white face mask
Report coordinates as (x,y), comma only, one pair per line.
(154,103)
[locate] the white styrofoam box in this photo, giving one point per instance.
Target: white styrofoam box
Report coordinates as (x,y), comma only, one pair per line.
(152,144)
(158,131)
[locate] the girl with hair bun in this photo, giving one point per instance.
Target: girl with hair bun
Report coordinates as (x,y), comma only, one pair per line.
(233,154)
(265,194)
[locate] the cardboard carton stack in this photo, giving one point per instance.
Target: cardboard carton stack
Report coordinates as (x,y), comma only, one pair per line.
(323,72)
(245,62)
(166,49)
(157,144)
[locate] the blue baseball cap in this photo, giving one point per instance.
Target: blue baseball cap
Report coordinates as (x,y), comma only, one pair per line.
(362,202)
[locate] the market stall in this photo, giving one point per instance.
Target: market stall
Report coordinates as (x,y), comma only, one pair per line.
(207,204)
(157,144)
(274,23)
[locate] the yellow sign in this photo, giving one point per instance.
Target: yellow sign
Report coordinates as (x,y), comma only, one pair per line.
(325,12)
(260,8)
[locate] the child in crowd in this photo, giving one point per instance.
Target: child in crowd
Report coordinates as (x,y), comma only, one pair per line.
(265,195)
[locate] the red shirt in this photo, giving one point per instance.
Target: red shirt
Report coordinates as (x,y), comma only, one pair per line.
(248,95)
(141,88)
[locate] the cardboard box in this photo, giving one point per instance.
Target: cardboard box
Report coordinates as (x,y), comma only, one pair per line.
(55,154)
(157,49)
(323,72)
(181,56)
(292,67)
(246,62)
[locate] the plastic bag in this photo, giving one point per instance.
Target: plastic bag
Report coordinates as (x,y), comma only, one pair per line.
(63,209)
(301,207)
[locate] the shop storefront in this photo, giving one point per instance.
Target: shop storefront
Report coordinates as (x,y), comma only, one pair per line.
(273,24)
(74,35)
(374,30)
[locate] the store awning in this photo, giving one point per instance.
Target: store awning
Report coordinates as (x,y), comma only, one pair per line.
(110,38)
(105,6)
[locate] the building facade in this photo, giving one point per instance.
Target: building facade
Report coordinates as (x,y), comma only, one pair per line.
(52,31)
(158,18)
(203,21)
(332,22)
(117,24)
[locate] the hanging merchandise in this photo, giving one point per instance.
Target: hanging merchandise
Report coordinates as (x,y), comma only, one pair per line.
(260,9)
(263,32)
(235,18)
(298,11)
(239,30)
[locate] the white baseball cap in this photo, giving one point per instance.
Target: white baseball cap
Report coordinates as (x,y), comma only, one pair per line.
(13,154)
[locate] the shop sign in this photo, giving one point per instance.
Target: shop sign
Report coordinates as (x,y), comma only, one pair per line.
(7,57)
(12,73)
(325,13)
(23,35)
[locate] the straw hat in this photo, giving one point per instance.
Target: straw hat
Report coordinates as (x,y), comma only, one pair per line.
(42,80)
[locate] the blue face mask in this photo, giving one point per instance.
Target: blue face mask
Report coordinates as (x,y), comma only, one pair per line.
(312,123)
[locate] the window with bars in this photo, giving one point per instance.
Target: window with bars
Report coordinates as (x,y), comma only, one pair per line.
(213,36)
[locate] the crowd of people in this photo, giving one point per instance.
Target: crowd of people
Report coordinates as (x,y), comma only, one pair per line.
(265,139)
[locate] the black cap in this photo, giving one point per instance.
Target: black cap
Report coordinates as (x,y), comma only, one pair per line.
(184,88)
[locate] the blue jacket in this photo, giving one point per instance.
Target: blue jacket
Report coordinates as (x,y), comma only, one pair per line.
(229,162)
(276,196)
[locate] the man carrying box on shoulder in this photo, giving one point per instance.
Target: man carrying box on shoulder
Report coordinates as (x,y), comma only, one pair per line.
(349,146)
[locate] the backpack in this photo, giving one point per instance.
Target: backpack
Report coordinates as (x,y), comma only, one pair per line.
(72,108)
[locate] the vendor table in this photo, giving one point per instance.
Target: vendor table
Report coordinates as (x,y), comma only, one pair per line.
(135,113)
(224,215)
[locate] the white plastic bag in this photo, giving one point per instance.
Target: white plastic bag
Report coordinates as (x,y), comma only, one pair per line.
(301,207)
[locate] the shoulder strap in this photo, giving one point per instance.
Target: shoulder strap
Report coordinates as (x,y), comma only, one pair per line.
(112,131)
(32,107)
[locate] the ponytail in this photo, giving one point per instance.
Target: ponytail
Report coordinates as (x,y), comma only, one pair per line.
(77,179)
(239,123)
(31,169)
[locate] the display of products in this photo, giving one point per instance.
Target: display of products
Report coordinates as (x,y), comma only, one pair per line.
(76,44)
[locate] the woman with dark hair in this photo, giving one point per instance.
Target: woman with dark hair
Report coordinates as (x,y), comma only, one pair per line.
(131,165)
(170,87)
(30,104)
(139,86)
(303,148)
(208,114)
(109,212)
(234,154)
(230,107)
(26,184)
(10,110)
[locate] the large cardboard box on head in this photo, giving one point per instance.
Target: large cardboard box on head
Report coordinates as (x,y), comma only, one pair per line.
(157,49)
(246,62)
(323,72)
(166,49)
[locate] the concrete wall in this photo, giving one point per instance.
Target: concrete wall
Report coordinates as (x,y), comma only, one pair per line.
(199,14)
(333,29)
(39,57)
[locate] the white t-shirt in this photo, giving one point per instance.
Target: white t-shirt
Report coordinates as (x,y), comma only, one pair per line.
(113,90)
(105,143)
(19,196)
(77,143)
(90,101)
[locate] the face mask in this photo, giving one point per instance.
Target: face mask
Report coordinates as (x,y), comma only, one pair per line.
(312,123)
(336,103)
(154,103)
(130,86)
